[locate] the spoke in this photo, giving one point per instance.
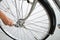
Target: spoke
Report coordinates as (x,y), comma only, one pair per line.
(38,22)
(27,10)
(9,9)
(37,7)
(41,22)
(33,35)
(38,17)
(13,2)
(27,34)
(17,10)
(34,29)
(21,34)
(3,9)
(21,9)
(37,12)
(36,25)
(2,6)
(24,35)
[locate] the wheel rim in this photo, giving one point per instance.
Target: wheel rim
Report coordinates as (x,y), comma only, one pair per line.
(37,25)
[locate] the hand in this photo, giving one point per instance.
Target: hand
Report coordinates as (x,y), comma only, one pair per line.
(5,19)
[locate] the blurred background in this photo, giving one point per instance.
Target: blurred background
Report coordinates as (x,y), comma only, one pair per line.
(55,36)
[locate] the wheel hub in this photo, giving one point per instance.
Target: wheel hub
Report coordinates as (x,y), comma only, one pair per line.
(20,22)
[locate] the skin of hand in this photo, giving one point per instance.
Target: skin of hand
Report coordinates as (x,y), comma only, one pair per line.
(5,19)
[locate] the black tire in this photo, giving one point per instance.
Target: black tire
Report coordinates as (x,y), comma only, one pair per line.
(52,17)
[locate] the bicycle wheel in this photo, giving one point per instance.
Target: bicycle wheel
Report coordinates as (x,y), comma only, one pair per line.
(34,20)
(57,2)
